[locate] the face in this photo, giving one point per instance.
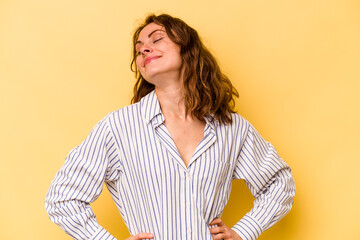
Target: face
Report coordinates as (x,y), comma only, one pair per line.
(158,57)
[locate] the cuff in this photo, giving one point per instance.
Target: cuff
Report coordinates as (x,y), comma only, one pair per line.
(102,234)
(247,228)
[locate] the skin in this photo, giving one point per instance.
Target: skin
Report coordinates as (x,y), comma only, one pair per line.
(165,71)
(158,58)
(221,231)
(160,63)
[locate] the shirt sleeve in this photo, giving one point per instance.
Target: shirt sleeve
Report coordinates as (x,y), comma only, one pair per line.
(270,181)
(79,182)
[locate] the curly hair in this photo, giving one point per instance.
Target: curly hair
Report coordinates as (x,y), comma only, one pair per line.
(208,92)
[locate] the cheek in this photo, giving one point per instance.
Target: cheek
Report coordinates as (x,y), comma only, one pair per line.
(179,60)
(138,63)
(178,55)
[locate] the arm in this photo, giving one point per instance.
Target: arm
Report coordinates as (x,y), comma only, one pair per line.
(79,182)
(270,181)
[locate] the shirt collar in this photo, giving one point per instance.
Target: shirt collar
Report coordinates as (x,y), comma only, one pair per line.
(150,107)
(211,121)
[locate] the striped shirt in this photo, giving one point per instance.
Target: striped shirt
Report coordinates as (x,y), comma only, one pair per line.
(132,152)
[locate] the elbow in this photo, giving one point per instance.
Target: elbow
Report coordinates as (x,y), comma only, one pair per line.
(289,190)
(51,207)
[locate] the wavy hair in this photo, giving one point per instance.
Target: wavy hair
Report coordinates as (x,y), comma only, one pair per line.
(208,92)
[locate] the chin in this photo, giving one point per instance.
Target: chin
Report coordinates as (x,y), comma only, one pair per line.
(151,74)
(149,78)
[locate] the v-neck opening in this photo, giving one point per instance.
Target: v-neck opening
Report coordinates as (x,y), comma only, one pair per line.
(169,143)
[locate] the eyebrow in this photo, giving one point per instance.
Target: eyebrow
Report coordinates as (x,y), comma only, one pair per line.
(149,35)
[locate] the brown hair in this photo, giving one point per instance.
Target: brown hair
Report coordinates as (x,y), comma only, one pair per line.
(207,90)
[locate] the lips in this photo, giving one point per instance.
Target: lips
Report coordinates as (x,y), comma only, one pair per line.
(149,59)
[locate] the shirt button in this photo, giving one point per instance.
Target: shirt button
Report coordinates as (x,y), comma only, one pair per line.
(189,231)
(188,204)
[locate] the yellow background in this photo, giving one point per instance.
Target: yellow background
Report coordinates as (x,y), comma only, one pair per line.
(65,64)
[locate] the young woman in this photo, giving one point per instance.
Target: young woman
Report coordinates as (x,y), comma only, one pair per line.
(168,159)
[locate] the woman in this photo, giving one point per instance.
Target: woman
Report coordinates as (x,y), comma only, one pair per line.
(169,158)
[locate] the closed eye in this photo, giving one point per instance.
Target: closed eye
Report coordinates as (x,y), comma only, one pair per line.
(156,40)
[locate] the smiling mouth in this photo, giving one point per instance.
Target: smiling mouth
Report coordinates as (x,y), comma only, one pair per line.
(148,60)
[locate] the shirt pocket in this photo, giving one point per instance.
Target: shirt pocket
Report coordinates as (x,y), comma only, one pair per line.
(212,188)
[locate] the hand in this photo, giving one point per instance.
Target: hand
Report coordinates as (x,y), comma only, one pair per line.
(222,231)
(141,236)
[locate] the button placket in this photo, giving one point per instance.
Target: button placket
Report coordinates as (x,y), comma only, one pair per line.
(189,199)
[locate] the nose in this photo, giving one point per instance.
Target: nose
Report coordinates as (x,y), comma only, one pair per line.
(145,49)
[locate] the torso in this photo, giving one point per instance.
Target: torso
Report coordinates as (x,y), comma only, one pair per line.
(186,134)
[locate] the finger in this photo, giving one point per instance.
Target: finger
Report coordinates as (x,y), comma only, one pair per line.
(216,230)
(219,236)
(143,236)
(215,221)
(223,235)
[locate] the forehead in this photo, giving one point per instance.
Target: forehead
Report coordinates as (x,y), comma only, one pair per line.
(148,29)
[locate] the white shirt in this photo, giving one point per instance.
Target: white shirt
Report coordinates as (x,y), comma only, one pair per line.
(133,153)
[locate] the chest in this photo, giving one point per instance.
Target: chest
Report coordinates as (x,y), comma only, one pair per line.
(186,137)
(155,150)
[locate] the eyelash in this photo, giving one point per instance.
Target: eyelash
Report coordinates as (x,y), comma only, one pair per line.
(156,40)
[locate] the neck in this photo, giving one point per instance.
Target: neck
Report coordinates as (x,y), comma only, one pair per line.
(172,102)
(170,93)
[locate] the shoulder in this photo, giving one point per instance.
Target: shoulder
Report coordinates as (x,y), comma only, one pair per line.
(238,127)
(237,118)
(124,114)
(134,114)
(239,121)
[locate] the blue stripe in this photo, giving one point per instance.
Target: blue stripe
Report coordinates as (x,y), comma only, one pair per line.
(132,152)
